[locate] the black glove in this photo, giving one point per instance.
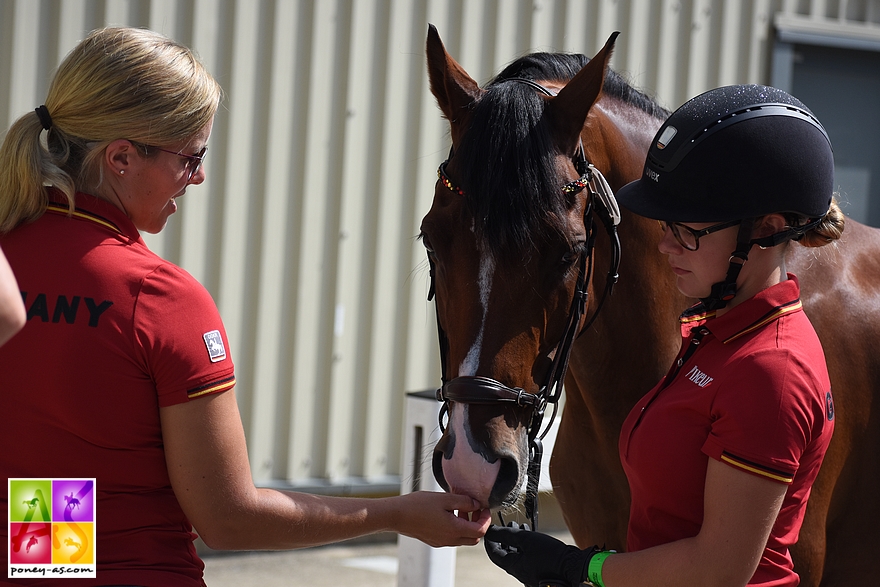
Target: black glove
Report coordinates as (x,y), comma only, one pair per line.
(535,558)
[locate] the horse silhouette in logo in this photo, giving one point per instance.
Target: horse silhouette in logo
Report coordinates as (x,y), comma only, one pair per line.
(32,503)
(72,542)
(72,502)
(32,542)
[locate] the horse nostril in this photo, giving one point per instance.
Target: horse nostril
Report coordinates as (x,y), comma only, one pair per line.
(506,488)
(443,450)
(445,445)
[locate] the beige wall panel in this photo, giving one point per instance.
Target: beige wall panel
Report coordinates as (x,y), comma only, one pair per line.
(269,425)
(358,228)
(316,249)
(392,177)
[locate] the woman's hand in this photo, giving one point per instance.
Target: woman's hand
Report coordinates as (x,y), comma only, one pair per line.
(441,519)
(535,558)
(208,466)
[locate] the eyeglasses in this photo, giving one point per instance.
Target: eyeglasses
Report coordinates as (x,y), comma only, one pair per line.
(688,237)
(193,163)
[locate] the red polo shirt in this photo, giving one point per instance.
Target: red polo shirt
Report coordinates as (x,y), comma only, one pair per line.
(113,333)
(753,393)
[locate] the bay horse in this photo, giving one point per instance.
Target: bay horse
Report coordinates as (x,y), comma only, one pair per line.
(507,247)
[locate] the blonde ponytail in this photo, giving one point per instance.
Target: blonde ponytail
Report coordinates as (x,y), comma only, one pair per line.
(27,167)
(828,230)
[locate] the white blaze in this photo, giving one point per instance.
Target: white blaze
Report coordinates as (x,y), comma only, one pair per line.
(487,269)
(467,472)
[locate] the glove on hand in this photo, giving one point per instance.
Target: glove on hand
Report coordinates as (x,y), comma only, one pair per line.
(533,557)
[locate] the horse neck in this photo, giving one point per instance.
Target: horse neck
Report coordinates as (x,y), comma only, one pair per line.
(637,324)
(616,139)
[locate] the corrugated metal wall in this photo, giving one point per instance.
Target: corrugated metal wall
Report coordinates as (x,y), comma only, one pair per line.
(323,161)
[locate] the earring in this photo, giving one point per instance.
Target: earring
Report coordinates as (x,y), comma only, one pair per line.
(121,172)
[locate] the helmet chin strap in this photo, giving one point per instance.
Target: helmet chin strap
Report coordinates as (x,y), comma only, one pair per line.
(724,291)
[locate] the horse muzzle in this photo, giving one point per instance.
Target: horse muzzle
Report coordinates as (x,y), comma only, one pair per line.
(484,449)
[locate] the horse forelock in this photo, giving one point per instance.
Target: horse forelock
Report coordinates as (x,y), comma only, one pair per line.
(508,170)
(508,156)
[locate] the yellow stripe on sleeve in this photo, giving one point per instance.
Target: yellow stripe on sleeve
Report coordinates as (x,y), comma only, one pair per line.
(757,471)
(223,386)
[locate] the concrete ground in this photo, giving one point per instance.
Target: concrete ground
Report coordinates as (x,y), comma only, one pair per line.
(366,564)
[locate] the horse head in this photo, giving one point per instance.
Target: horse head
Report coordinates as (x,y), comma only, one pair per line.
(508,237)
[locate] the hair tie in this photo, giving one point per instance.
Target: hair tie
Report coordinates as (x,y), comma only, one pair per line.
(43,115)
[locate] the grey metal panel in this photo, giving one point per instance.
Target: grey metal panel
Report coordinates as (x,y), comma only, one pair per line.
(825,32)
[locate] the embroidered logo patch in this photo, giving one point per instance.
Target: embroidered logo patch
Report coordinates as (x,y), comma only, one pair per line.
(214,342)
(699,377)
(829,406)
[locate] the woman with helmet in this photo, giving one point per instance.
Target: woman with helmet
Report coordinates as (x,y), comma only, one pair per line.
(721,455)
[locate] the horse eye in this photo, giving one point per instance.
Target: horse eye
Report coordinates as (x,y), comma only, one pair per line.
(573,254)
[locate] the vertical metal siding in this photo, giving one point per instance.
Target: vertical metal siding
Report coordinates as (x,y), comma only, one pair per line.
(323,161)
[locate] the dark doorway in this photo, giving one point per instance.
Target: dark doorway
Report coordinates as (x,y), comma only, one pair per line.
(842,88)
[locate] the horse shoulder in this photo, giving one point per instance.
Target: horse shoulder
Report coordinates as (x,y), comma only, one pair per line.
(850,265)
(840,289)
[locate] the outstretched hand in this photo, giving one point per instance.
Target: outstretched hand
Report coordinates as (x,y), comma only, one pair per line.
(442,519)
(533,557)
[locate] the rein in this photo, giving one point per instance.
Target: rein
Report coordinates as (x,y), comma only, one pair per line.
(601,204)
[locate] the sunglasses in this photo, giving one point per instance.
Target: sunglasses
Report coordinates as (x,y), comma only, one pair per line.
(688,237)
(193,163)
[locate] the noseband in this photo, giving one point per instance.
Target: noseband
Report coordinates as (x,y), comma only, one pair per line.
(486,391)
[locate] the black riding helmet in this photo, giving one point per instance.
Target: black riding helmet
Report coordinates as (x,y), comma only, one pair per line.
(736,153)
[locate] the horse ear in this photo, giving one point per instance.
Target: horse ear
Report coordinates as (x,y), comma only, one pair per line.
(568,110)
(454,89)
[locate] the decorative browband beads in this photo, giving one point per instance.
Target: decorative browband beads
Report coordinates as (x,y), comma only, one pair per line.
(441,173)
(577,185)
(571,187)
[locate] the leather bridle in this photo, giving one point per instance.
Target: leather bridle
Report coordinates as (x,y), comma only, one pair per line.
(600,204)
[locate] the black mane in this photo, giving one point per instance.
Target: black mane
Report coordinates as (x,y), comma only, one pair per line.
(507,157)
(564,66)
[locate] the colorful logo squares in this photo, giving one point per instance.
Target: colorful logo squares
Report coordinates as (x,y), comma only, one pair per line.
(51,528)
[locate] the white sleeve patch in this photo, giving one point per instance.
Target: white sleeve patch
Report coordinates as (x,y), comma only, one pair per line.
(214,342)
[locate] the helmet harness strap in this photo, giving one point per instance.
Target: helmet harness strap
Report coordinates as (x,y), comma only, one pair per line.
(724,291)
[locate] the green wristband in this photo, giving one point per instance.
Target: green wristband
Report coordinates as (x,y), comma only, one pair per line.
(594,569)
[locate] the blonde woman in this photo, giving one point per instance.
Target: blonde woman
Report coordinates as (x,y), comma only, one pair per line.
(123,367)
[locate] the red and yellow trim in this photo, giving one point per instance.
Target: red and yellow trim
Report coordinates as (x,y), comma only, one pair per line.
(756,469)
(82,215)
(788,308)
(213,387)
(687,318)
